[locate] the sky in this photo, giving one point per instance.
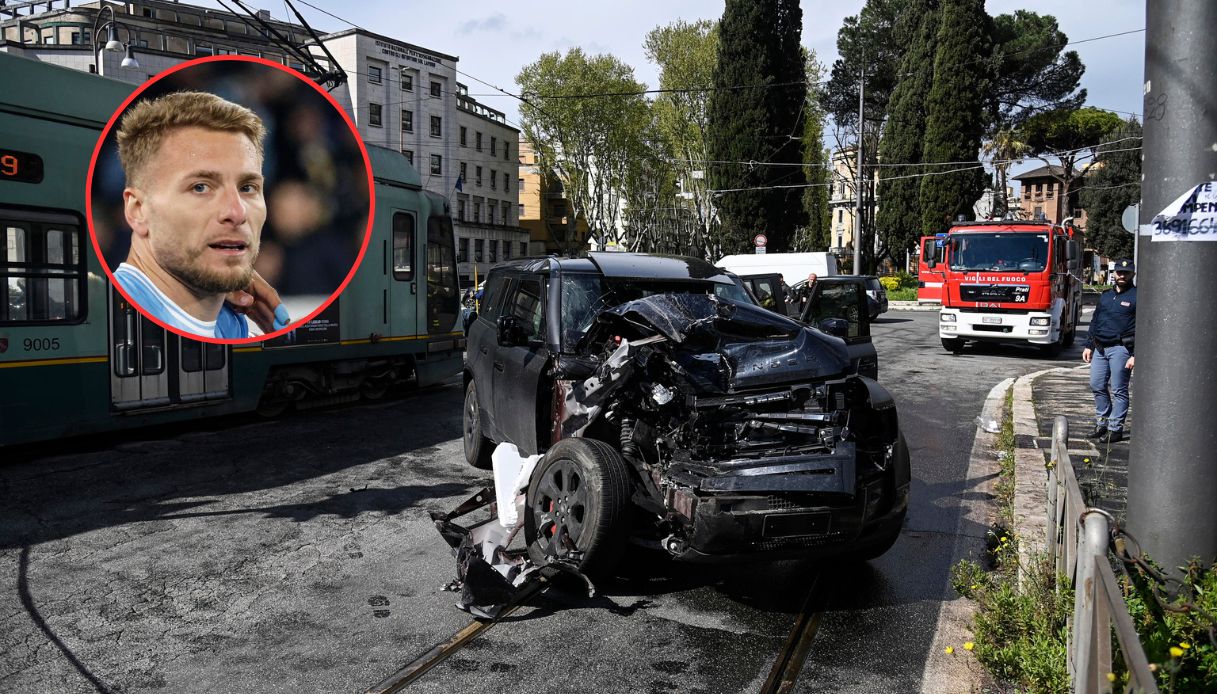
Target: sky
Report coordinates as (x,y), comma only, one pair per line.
(494,40)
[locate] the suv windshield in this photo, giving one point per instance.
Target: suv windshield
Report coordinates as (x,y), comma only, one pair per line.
(584,296)
(1008,251)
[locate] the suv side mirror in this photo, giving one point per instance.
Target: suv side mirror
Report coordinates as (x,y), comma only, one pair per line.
(510,334)
(1071,250)
(837,327)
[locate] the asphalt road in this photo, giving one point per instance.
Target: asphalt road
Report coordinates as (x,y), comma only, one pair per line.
(296,555)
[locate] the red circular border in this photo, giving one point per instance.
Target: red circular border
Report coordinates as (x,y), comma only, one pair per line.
(367,234)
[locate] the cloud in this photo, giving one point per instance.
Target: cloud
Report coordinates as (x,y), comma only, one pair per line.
(494,23)
(529,34)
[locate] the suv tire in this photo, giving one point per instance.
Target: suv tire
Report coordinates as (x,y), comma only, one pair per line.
(477,447)
(952,344)
(581,488)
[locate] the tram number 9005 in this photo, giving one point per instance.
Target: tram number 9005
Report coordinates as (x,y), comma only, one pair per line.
(41,344)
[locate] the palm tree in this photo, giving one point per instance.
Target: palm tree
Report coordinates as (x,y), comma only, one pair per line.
(1005,148)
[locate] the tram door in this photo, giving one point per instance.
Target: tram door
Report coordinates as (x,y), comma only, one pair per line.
(405,302)
(152,367)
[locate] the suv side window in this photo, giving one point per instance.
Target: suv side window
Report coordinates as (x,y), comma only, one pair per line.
(492,295)
(840,300)
(526,305)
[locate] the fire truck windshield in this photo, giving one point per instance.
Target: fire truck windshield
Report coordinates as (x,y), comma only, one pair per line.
(1003,251)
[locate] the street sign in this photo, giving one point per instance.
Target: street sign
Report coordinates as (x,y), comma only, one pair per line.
(760,240)
(1129,218)
(837,250)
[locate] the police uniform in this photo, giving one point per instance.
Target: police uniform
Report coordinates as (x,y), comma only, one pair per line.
(1111,337)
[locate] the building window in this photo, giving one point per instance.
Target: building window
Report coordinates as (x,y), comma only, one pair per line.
(506,250)
(464,133)
(407,121)
(521,211)
(493,255)
(838,240)
(409,153)
(506,146)
(477,246)
(462,243)
(478,141)
(840,216)
(506,183)
(1039,212)
(478,172)
(464,171)
(436,89)
(477,217)
(374,75)
(559,209)
(490,216)
(198,50)
(494,146)
(506,212)
(374,115)
(523,248)
(437,164)
(520,185)
(407,81)
(494,177)
(460,210)
(437,126)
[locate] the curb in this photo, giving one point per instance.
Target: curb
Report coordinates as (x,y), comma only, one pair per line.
(942,672)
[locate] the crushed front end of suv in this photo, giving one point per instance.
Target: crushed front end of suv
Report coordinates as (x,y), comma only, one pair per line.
(671,412)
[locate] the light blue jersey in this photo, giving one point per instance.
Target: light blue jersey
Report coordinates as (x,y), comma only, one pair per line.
(229,325)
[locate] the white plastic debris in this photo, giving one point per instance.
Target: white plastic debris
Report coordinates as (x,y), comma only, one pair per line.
(511,475)
(990,425)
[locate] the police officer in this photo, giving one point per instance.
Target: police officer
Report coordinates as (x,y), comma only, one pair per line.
(1109,352)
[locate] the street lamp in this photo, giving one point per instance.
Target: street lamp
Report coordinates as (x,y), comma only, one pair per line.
(112,43)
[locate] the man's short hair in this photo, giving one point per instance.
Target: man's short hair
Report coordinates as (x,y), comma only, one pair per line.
(146,125)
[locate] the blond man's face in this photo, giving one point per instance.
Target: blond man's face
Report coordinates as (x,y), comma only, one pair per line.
(199,208)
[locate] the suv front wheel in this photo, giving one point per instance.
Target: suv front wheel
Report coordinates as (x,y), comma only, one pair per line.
(579,498)
(477,447)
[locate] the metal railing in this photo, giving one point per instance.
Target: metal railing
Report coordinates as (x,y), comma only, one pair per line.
(1078,544)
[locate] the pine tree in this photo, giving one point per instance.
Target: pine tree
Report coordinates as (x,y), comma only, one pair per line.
(1114,185)
(759,45)
(898,218)
(816,236)
(954,113)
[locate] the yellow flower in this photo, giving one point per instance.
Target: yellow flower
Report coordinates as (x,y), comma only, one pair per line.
(1085,460)
(968,645)
(1111,677)
(1176,652)
(974,586)
(949,650)
(1004,538)
(1184,645)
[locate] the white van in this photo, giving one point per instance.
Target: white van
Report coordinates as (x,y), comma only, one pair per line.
(794,267)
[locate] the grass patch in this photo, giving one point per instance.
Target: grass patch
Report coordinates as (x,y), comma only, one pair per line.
(1178,640)
(1020,629)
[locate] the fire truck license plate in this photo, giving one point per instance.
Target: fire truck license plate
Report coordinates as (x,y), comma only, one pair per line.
(991,319)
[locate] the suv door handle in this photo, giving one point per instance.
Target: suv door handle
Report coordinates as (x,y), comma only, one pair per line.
(498,366)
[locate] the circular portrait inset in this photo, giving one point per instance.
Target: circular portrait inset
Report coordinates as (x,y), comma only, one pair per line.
(230,199)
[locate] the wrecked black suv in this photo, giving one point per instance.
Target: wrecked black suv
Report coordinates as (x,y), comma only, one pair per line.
(675,413)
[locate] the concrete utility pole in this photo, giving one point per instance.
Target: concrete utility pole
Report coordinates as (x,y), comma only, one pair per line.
(858,177)
(1172,476)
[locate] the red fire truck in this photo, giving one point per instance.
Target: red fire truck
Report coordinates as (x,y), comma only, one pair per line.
(929,281)
(1008,281)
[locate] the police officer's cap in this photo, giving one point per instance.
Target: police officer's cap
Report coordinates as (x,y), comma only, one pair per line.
(1125,265)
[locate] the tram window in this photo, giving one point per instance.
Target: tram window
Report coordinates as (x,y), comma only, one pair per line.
(193,353)
(216,355)
(403,247)
(152,339)
(443,304)
(42,273)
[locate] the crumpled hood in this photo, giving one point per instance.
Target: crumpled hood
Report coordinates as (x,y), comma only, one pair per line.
(727,347)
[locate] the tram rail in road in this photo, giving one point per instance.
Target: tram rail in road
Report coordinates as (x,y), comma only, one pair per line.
(782,675)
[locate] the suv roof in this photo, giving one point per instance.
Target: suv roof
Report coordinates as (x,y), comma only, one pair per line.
(628,265)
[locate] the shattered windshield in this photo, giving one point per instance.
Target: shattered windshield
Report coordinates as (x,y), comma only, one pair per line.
(584,296)
(999,252)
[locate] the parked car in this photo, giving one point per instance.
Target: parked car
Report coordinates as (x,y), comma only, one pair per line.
(674,412)
(876,295)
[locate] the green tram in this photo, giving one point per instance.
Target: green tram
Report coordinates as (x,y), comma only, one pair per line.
(75,358)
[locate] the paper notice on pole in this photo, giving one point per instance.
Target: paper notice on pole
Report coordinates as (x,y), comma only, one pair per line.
(1191,217)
